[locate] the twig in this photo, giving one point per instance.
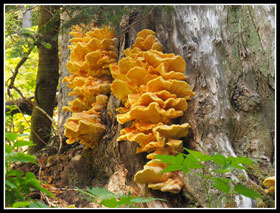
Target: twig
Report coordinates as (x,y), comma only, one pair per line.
(12,86)
(56,126)
(29,9)
(25,118)
(22,61)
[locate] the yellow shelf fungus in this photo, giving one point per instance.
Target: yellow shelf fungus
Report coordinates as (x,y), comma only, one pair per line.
(91,55)
(152,87)
(270,183)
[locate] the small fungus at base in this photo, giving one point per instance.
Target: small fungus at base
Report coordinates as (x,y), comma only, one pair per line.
(269,182)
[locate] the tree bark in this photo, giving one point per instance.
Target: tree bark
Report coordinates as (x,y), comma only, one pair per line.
(47,76)
(230,56)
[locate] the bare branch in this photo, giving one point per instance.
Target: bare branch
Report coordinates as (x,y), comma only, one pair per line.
(22,61)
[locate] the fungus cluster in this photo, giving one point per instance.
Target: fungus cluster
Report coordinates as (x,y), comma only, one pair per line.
(152,87)
(90,80)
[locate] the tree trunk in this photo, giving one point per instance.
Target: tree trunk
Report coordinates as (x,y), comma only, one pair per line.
(230,56)
(47,76)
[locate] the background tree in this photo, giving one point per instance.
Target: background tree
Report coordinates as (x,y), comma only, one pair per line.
(47,75)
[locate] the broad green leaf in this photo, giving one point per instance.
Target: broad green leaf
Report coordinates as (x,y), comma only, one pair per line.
(21,204)
(110,203)
(241,189)
(192,163)
(227,167)
(199,156)
(101,193)
(9,184)
(17,193)
(171,159)
(34,183)
(171,168)
(30,175)
(219,159)
(21,157)
(21,143)
(8,148)
(11,136)
(241,160)
(38,204)
(221,184)
(16,173)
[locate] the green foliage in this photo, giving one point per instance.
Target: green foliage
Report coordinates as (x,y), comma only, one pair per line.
(110,15)
(17,184)
(108,199)
(18,42)
(221,165)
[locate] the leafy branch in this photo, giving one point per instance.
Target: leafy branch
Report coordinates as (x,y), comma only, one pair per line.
(196,160)
(17,184)
(108,199)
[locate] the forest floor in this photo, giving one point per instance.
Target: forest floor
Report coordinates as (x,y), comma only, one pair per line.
(51,172)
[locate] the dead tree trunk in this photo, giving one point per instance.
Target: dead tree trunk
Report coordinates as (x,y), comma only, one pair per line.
(230,56)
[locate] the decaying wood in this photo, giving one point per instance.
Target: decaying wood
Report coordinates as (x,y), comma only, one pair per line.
(230,56)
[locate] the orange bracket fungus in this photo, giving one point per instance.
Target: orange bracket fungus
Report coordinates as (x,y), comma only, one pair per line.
(270,183)
(152,87)
(91,55)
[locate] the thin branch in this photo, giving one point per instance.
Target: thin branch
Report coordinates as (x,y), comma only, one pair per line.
(27,121)
(22,61)
(56,126)
(31,8)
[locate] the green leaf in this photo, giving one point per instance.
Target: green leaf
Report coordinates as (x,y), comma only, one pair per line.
(21,157)
(38,204)
(34,183)
(16,173)
(101,193)
(110,203)
(191,162)
(88,194)
(42,189)
(219,159)
(221,184)
(241,189)
(30,175)
(198,155)
(23,143)
(21,204)
(171,168)
(171,159)
(241,160)
(9,184)
(46,45)
(8,148)
(144,199)
(11,136)
(17,193)
(227,167)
